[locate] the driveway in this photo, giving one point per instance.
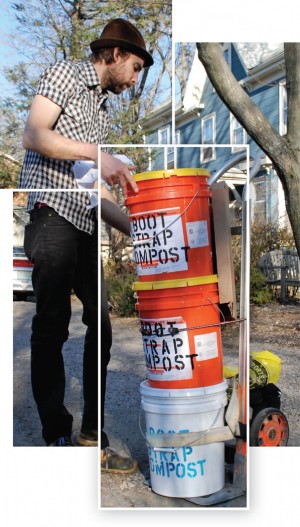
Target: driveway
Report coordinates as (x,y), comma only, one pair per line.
(27,428)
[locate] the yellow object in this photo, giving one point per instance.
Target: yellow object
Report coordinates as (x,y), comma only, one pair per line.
(171,284)
(231,374)
(229,371)
(265,368)
(181,172)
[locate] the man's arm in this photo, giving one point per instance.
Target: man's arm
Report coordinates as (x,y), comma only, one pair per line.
(40,137)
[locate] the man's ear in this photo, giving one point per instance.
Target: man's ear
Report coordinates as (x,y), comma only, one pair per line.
(117,55)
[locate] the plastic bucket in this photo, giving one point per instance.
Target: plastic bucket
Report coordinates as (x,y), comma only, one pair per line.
(170,224)
(187,471)
(180,332)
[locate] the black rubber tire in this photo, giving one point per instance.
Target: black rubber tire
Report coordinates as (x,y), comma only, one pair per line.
(269,428)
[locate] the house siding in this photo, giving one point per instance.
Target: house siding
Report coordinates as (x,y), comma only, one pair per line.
(265,95)
(236,65)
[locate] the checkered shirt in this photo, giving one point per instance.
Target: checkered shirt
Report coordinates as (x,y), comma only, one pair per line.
(75,87)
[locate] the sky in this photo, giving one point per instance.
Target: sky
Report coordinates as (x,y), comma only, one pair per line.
(214,21)
(7,56)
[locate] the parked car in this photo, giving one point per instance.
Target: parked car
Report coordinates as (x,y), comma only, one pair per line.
(22,270)
(22,267)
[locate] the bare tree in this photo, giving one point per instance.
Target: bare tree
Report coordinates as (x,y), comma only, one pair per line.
(183,61)
(284,151)
(50,30)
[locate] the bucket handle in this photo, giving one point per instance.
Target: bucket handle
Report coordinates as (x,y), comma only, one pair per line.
(175,449)
(142,242)
(216,308)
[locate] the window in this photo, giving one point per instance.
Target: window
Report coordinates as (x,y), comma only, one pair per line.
(238,135)
(172,152)
(177,137)
(164,136)
(259,202)
(170,157)
(208,126)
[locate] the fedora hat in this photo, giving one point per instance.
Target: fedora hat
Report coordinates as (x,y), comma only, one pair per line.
(121,33)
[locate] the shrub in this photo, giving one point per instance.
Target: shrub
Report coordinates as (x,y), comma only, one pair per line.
(260,293)
(265,237)
(119,277)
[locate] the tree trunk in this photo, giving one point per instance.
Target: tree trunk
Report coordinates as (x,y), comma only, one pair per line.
(284,151)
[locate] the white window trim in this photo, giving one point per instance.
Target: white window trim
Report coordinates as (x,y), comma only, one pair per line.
(176,142)
(169,157)
(239,146)
(160,132)
(209,145)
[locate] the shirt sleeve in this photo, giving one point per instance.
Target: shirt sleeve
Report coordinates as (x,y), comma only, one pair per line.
(58,82)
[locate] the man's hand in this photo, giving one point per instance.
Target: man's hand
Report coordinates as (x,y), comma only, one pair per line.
(113,170)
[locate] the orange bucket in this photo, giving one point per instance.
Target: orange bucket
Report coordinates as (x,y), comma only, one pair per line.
(180,326)
(170,224)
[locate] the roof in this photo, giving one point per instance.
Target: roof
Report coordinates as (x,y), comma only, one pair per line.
(263,57)
(255,53)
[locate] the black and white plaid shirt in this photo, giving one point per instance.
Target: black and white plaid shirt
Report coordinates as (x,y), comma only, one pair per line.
(75,87)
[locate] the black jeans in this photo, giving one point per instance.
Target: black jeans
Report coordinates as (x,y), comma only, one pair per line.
(64,258)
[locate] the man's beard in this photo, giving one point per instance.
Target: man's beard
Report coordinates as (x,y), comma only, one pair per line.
(114,81)
(117,88)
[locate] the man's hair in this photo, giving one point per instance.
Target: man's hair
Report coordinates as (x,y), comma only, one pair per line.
(107,55)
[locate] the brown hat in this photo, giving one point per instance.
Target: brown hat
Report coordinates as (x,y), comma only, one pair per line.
(121,33)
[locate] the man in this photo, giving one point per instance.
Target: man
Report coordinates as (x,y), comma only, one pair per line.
(66,122)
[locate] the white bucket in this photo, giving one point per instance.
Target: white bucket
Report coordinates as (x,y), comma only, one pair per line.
(188,471)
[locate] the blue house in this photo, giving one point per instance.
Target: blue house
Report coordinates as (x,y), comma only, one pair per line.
(201,119)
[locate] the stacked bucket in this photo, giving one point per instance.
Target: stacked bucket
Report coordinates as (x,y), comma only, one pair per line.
(177,302)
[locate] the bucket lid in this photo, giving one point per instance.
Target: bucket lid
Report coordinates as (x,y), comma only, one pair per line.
(170,284)
(166,393)
(178,172)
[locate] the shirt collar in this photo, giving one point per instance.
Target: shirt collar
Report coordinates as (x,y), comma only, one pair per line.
(91,77)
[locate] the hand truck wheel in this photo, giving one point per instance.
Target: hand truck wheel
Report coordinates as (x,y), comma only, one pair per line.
(269,428)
